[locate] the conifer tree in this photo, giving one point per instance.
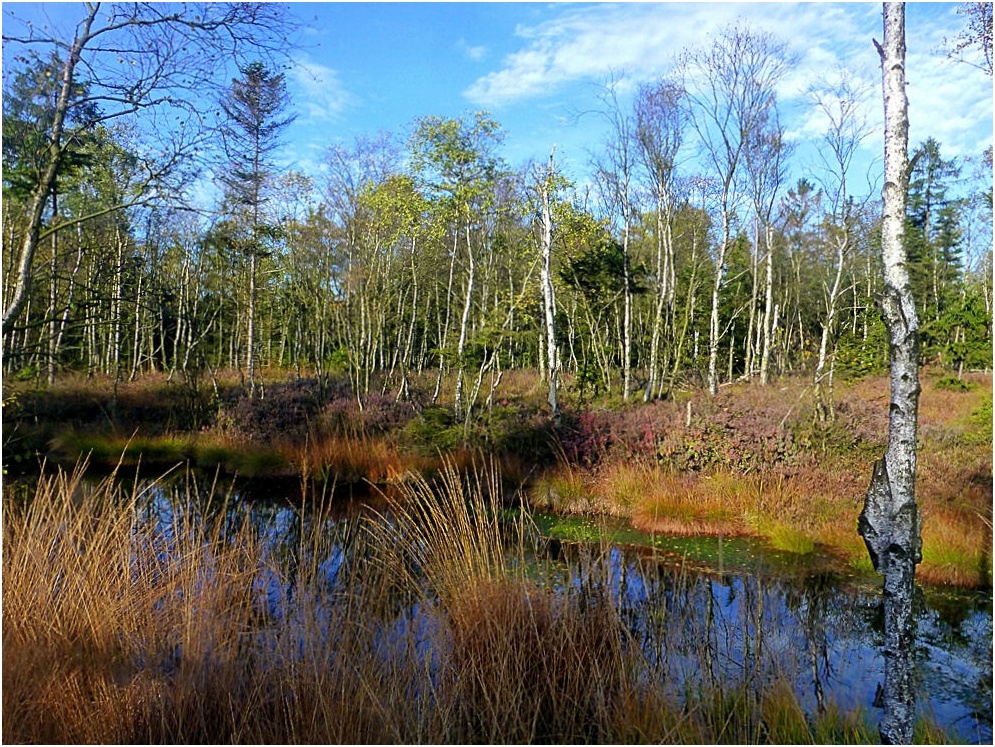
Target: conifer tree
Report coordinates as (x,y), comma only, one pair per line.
(255,108)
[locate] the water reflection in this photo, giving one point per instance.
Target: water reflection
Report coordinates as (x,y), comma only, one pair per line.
(693,628)
(818,632)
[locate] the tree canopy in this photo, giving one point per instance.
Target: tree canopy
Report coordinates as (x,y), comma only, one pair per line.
(703,261)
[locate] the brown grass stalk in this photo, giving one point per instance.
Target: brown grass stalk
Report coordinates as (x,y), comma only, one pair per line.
(205,627)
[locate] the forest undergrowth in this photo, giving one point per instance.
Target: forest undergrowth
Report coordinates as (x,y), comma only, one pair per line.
(751,461)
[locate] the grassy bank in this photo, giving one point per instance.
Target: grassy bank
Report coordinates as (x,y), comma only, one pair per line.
(751,461)
(419,630)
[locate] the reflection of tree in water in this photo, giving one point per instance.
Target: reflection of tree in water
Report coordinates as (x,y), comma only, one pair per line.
(693,629)
(819,633)
(954,656)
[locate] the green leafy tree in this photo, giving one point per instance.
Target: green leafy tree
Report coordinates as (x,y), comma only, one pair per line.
(457,166)
(151,57)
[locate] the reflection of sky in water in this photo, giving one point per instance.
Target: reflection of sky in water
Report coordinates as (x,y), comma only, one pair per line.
(818,633)
(808,631)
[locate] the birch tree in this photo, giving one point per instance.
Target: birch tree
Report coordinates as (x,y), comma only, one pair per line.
(730,90)
(766,157)
(614,172)
(890,522)
(659,134)
(144,61)
(545,186)
(457,163)
(841,102)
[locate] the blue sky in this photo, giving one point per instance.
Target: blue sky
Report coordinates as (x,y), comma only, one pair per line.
(538,68)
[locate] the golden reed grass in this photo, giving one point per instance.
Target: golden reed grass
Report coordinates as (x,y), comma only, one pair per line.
(417,627)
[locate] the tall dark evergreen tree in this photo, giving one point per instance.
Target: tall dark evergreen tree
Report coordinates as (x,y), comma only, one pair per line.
(29,107)
(255,108)
(929,264)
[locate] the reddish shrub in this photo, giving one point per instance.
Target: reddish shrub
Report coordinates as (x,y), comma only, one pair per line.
(379,415)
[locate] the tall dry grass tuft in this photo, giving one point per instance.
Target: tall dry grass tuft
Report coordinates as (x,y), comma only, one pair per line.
(683,504)
(451,526)
(523,664)
(349,459)
(525,667)
(956,547)
(127,618)
(112,631)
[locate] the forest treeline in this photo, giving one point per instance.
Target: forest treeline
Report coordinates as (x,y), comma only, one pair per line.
(690,252)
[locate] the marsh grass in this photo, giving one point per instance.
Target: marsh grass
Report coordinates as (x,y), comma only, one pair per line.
(703,478)
(127,618)
(353,458)
(751,460)
(110,628)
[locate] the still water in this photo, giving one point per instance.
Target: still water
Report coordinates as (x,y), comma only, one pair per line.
(755,619)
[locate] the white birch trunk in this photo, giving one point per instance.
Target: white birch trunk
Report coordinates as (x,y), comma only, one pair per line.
(444,327)
(713,323)
(250,332)
(768,321)
(827,328)
(548,292)
(890,523)
(752,333)
(464,325)
(627,324)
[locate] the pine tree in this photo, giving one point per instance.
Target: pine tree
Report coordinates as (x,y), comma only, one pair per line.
(255,108)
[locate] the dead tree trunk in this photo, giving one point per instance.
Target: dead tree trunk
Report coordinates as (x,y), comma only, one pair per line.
(890,523)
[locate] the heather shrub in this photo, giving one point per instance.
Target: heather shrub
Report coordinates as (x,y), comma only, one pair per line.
(381,414)
(639,429)
(585,436)
(744,429)
(66,403)
(283,413)
(378,415)
(858,429)
(730,434)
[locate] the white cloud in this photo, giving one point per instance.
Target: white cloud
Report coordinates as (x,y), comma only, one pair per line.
(643,39)
(589,43)
(473,52)
(320,94)
(951,102)
(584,43)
